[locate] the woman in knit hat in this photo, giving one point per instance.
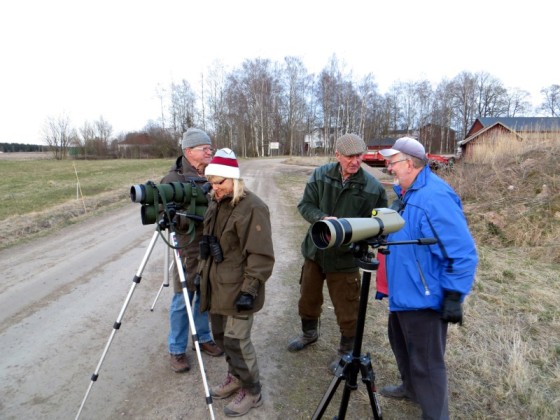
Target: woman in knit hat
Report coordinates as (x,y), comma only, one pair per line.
(236,259)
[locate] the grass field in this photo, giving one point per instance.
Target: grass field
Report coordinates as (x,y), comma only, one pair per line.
(34,185)
(39,195)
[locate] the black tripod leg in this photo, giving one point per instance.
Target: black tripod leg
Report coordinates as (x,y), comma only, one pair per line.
(327,397)
(355,362)
(117,323)
(368,379)
(349,386)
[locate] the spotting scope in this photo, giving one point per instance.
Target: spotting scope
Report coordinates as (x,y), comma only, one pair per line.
(187,195)
(338,232)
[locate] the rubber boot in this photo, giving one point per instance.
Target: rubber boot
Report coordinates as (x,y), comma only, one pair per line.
(346,346)
(309,336)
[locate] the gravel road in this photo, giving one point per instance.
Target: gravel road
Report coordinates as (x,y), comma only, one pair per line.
(60,296)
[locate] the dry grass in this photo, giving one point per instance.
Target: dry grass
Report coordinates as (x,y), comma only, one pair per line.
(504,362)
(511,194)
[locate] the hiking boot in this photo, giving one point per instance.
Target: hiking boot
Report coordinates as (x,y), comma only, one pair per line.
(397,392)
(309,336)
(179,363)
(230,385)
(346,346)
(211,349)
(242,403)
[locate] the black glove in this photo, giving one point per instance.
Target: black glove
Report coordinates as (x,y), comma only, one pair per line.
(452,310)
(244,302)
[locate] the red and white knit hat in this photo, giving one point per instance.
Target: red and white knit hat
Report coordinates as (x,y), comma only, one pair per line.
(224,164)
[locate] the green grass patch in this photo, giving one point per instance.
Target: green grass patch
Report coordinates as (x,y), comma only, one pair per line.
(35,185)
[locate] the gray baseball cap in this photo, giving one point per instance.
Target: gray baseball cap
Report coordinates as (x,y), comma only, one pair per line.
(406,145)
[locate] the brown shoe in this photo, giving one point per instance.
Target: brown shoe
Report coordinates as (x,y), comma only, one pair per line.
(211,348)
(242,403)
(179,363)
(230,385)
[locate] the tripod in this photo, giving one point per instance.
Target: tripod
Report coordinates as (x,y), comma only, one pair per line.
(135,281)
(351,364)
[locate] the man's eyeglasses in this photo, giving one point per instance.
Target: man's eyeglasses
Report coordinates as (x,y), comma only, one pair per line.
(389,164)
(205,149)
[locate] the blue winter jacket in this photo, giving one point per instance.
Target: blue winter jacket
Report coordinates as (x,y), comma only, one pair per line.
(418,275)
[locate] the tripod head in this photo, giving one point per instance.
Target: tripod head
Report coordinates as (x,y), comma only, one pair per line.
(364,256)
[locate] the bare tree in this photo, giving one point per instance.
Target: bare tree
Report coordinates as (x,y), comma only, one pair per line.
(217,119)
(297,84)
(183,107)
(463,91)
(443,113)
(103,132)
(551,102)
(518,103)
(160,94)
(367,91)
(58,135)
(327,93)
(491,96)
(85,139)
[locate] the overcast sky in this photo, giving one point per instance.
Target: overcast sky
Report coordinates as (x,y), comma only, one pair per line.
(88,59)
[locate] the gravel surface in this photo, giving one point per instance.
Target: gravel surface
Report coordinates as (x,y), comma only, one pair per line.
(60,296)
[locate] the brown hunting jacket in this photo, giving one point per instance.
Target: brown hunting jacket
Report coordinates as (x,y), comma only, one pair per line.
(245,236)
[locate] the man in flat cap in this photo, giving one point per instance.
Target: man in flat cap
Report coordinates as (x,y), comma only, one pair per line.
(341,189)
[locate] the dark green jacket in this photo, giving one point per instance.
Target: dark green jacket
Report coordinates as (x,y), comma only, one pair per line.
(324,195)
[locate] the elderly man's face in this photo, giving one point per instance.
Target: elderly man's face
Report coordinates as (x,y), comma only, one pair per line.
(349,164)
(199,156)
(402,170)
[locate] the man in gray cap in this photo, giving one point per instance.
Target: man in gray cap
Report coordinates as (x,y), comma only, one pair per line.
(342,189)
(197,154)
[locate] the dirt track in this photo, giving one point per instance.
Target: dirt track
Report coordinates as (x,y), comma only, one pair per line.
(61,294)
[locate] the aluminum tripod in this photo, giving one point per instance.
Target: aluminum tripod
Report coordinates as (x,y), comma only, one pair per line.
(117,324)
(166,269)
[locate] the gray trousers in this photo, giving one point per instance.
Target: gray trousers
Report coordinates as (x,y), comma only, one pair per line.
(233,335)
(418,341)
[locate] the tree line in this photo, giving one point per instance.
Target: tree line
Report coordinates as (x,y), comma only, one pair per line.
(263,102)
(21,147)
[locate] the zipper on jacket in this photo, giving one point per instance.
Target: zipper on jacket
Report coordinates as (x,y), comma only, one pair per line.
(426,289)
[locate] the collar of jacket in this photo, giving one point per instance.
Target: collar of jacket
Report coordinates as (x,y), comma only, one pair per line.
(335,172)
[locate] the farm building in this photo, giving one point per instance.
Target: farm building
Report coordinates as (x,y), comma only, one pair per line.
(492,132)
(435,138)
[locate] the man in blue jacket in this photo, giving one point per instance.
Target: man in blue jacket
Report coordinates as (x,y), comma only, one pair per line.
(427,284)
